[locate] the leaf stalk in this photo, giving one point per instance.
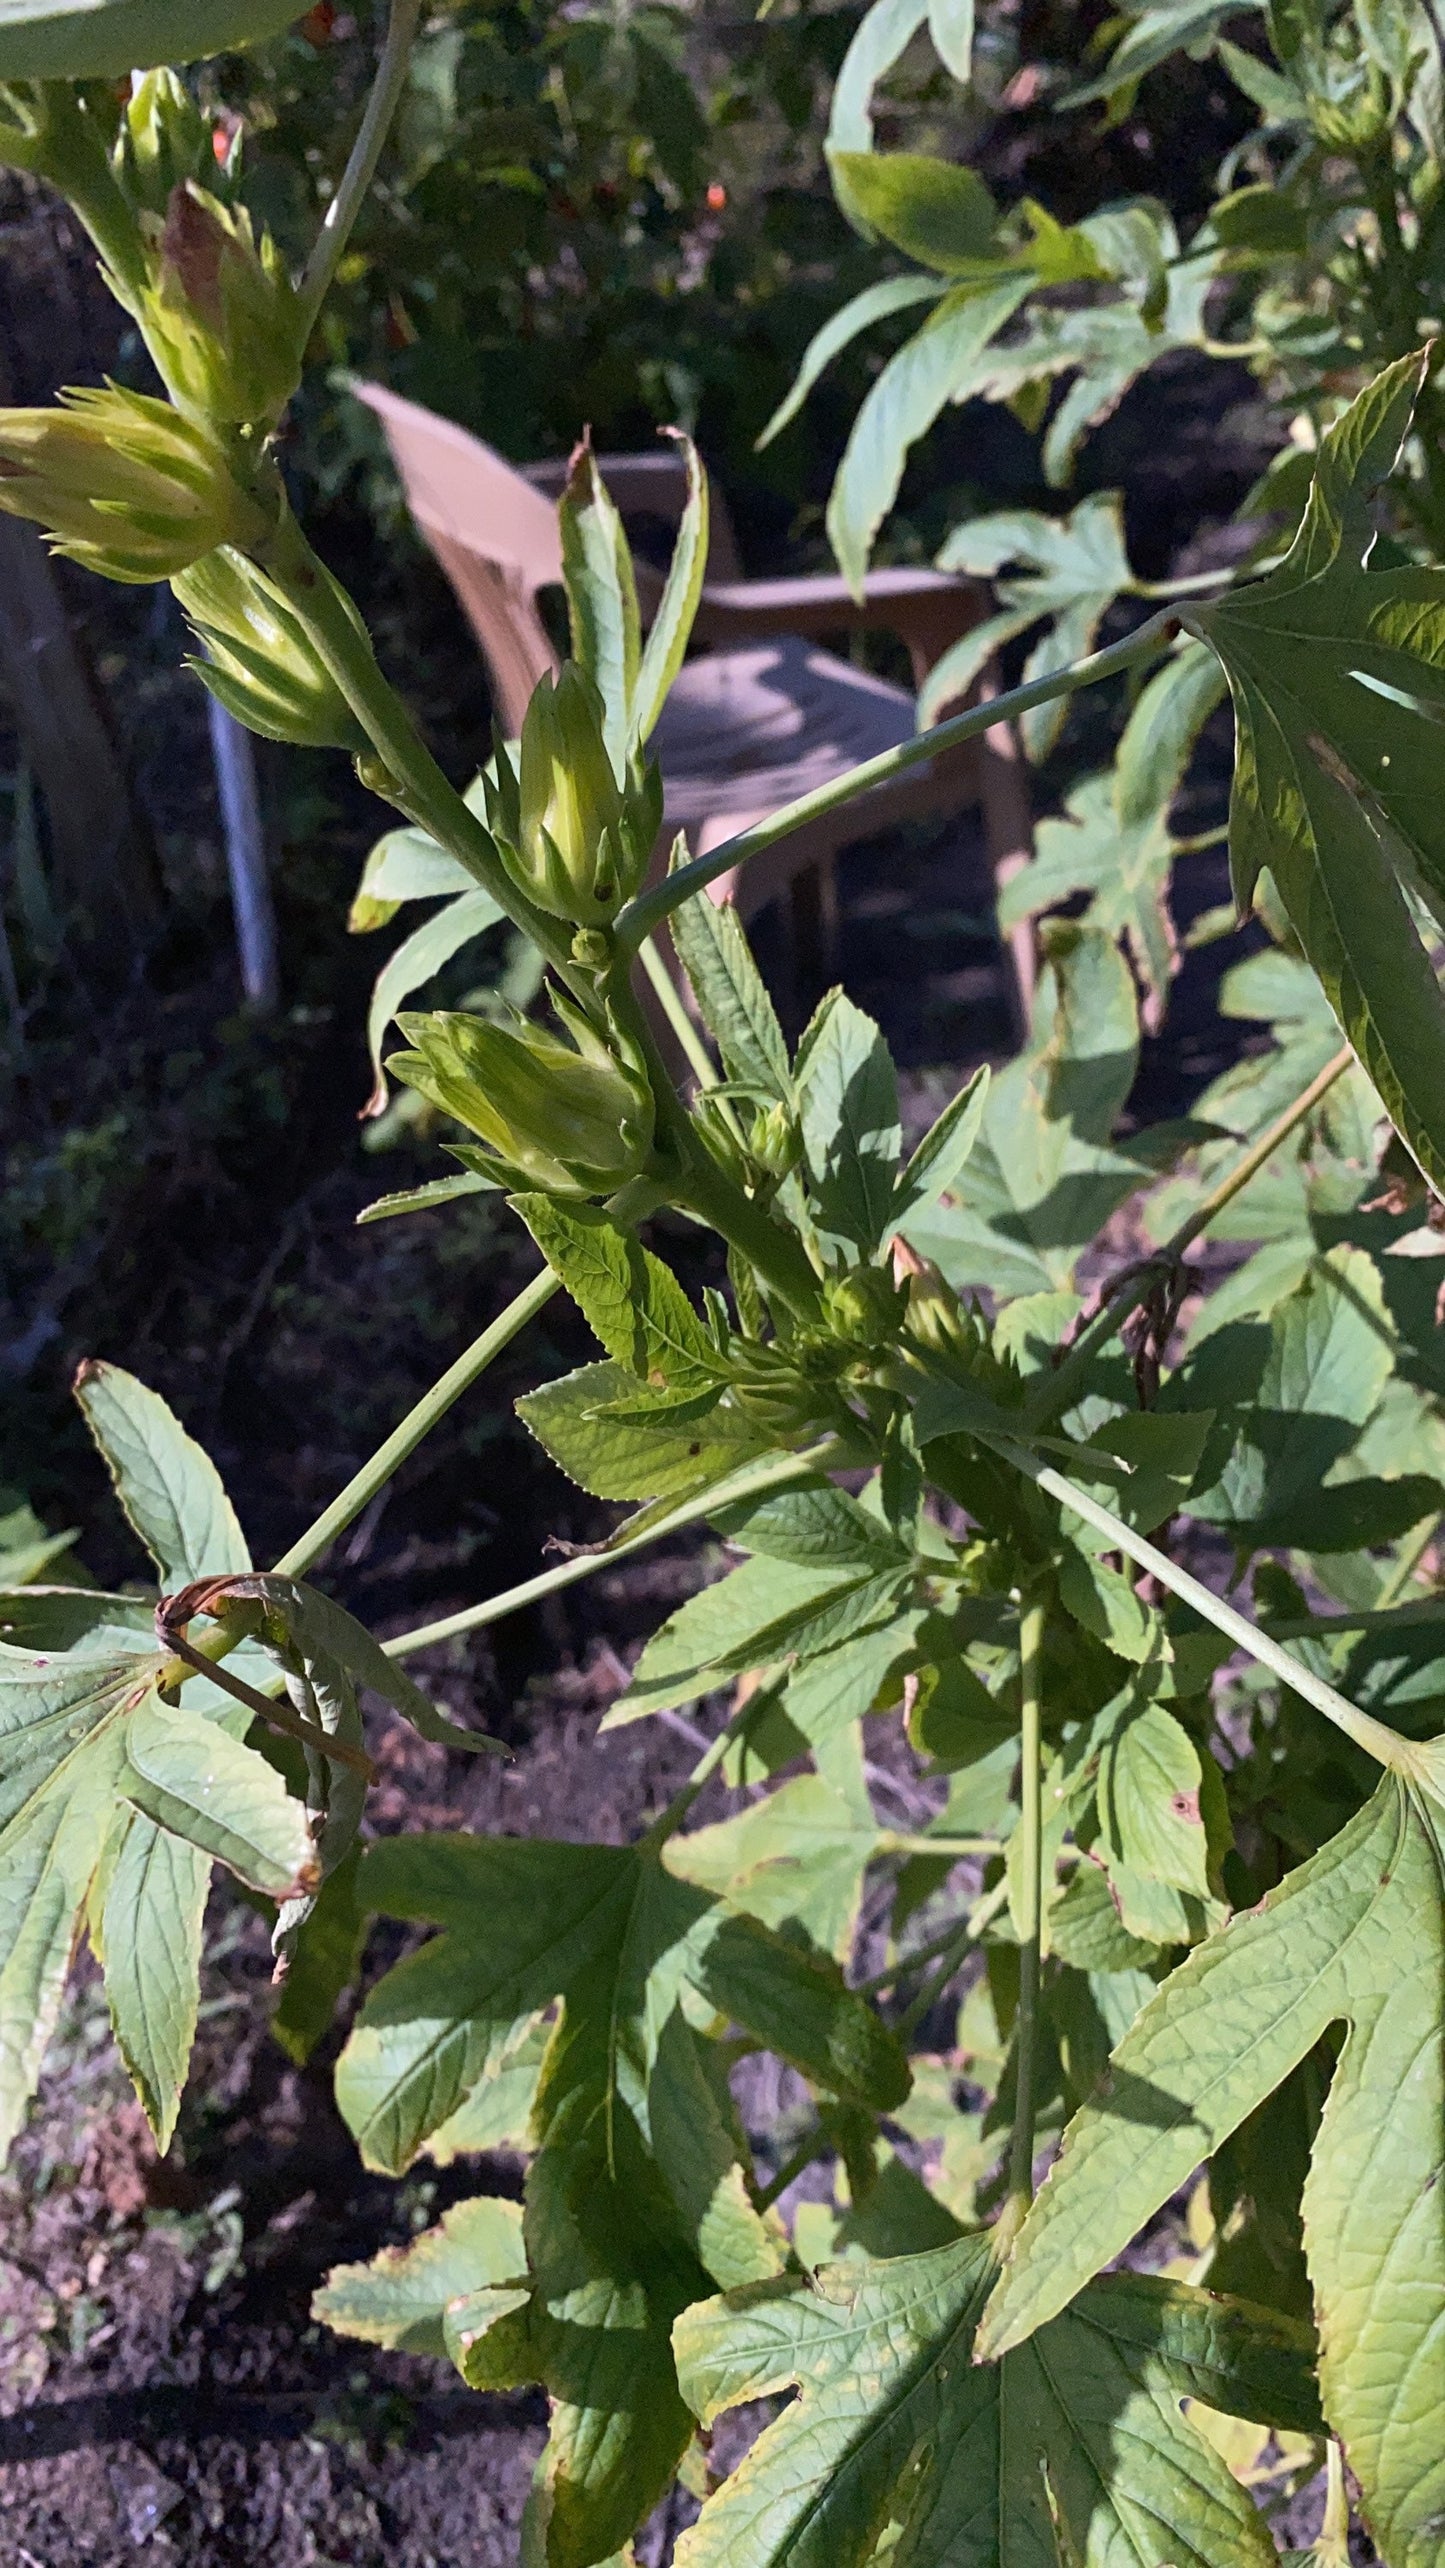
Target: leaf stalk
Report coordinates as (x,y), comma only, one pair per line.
(645,913)
(1028,1900)
(418,1422)
(361,166)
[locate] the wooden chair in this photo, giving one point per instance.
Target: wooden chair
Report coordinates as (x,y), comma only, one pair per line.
(761,712)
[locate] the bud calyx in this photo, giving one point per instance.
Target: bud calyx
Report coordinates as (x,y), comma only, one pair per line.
(123,483)
(260,663)
(573,1119)
(571,836)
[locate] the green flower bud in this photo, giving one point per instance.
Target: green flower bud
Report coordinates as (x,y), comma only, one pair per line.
(571,837)
(864,1308)
(220,317)
(573,1119)
(163,140)
(260,663)
(959,1338)
(123,484)
(775,1141)
(773,1392)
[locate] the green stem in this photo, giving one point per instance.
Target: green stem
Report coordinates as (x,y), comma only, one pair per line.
(1056,1391)
(70,153)
(764,2196)
(645,913)
(695,1182)
(1385,1746)
(712,1197)
(1162,589)
(890,1843)
(749,1482)
(1412,1551)
(418,1422)
(672,1817)
(673,1008)
(1028,1895)
(966,1932)
(423,792)
(360,169)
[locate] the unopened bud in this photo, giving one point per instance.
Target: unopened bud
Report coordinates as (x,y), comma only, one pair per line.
(162,141)
(572,837)
(260,663)
(219,315)
(864,1308)
(123,484)
(959,1338)
(775,1392)
(775,1141)
(573,1119)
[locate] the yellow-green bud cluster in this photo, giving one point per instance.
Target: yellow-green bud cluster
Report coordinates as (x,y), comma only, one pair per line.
(260,663)
(124,484)
(573,836)
(572,1119)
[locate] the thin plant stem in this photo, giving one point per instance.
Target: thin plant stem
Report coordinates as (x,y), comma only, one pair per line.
(1333,2544)
(1028,1886)
(916,1959)
(764,2196)
(1161,589)
(746,1483)
(1385,1746)
(673,1007)
(1202,840)
(707,1765)
(1056,1391)
(966,1932)
(366,151)
(410,775)
(955,1848)
(642,915)
(1412,1552)
(418,1422)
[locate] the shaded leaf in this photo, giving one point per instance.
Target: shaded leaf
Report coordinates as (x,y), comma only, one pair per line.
(631,1301)
(155,1903)
(634,2195)
(418,959)
(601,597)
(1224,2031)
(1337,673)
(108,39)
(876,303)
(897,2435)
(732,996)
(934,367)
(672,625)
